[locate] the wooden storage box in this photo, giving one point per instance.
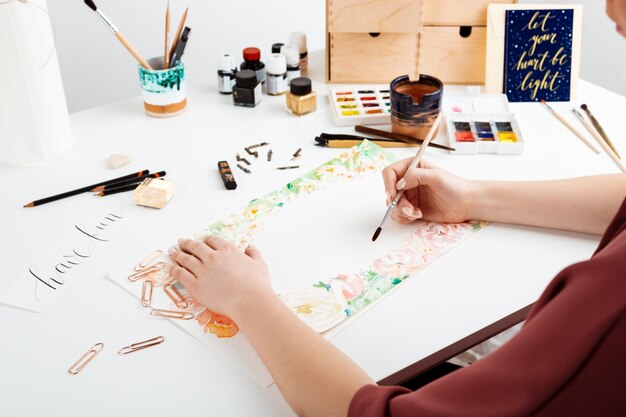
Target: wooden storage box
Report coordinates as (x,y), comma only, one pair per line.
(454,54)
(374,41)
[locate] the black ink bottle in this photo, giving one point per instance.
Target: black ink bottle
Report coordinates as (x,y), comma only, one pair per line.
(247,89)
(252,61)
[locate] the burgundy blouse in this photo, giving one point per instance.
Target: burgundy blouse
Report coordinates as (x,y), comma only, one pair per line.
(568,360)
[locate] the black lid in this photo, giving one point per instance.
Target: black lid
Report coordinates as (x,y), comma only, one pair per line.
(300,86)
(276,48)
(246,79)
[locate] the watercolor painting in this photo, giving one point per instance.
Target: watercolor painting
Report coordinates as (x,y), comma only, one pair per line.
(330,301)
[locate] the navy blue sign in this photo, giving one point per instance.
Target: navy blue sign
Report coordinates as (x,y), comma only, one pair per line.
(538,55)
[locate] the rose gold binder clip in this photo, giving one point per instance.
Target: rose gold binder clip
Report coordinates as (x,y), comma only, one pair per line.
(169,314)
(141,345)
(85,359)
(146,272)
(146,293)
(175,296)
(149,260)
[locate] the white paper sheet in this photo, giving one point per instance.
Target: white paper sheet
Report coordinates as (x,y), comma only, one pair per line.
(43,281)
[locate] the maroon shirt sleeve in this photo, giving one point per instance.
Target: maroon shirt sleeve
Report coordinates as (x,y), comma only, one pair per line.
(568,360)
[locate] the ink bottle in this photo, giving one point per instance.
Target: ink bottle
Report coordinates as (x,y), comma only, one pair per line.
(226,70)
(298,39)
(252,61)
(300,98)
(276,75)
(247,89)
(276,47)
(293,62)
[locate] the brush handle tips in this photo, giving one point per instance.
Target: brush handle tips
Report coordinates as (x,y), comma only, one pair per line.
(118,35)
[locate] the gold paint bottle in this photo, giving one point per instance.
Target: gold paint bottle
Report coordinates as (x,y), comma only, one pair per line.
(301,99)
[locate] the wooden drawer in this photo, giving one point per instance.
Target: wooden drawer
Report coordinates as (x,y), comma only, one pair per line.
(451,57)
(374,16)
(458,12)
(362,58)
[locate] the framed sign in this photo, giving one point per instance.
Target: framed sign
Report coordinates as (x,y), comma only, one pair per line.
(533,51)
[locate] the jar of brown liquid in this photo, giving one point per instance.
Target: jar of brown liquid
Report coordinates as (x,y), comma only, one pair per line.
(415,105)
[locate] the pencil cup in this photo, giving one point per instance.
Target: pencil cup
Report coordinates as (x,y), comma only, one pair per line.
(163,90)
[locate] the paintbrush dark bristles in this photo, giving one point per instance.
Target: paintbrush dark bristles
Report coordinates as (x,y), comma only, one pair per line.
(91,5)
(376,234)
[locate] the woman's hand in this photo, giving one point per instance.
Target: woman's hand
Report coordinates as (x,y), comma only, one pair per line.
(219,275)
(429,192)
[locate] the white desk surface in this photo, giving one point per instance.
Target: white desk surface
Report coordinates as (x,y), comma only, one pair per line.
(503,269)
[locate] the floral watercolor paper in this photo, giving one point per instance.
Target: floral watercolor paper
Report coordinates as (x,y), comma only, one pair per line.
(331,300)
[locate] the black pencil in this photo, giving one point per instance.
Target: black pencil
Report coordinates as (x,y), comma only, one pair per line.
(398,136)
(127,182)
(120,189)
(83,189)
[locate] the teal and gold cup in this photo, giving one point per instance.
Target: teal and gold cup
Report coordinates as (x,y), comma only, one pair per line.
(164,92)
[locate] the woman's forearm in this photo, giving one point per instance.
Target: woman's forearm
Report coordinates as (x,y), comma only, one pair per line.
(315,377)
(584,204)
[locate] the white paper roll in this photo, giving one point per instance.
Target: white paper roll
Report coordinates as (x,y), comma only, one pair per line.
(34,122)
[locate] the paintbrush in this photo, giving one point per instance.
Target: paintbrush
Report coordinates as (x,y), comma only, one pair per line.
(397,136)
(414,163)
(599,128)
(166,51)
(570,127)
(349,143)
(179,31)
(118,35)
(599,139)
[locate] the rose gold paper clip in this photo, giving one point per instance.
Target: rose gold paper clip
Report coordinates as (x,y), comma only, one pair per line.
(85,359)
(148,260)
(169,314)
(175,296)
(141,345)
(146,293)
(144,273)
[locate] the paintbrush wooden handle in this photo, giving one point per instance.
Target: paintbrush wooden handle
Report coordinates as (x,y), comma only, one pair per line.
(166,49)
(433,129)
(574,131)
(133,51)
(603,144)
(602,133)
(397,136)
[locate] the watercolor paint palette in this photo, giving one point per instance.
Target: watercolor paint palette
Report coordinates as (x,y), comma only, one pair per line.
(482,123)
(365,104)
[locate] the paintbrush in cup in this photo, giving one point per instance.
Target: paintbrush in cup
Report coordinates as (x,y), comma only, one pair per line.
(166,53)
(118,35)
(414,163)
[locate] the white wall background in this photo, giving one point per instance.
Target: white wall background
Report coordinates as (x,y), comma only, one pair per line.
(96,69)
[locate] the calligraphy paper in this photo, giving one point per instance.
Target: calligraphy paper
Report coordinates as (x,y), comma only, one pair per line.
(44,280)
